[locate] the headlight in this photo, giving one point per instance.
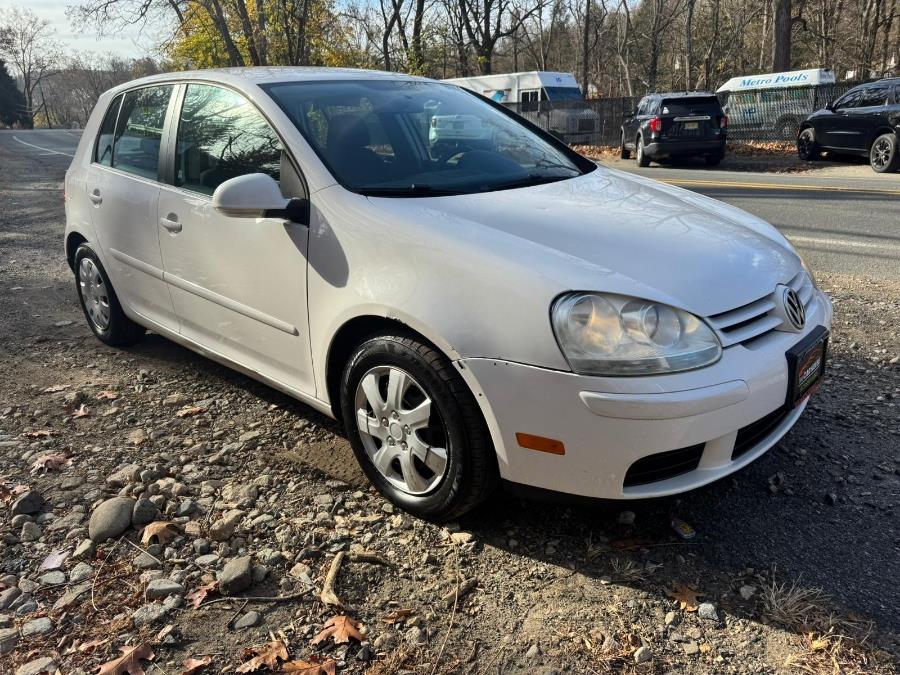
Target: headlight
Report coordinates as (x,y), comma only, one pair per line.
(603,334)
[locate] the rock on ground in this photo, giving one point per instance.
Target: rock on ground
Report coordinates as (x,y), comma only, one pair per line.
(110,519)
(236,575)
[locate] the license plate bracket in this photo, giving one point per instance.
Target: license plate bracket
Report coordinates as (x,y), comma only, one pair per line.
(692,125)
(806,366)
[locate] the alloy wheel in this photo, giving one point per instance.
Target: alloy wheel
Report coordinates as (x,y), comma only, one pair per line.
(881,153)
(94,294)
(401,430)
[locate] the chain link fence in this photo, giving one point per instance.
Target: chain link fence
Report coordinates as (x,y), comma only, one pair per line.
(760,115)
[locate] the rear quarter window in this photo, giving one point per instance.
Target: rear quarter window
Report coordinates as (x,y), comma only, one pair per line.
(103,148)
(691,106)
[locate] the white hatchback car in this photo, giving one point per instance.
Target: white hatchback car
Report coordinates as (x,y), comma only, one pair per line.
(501,309)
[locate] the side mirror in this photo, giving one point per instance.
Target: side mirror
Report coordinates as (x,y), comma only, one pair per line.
(257,195)
(829,106)
(627,115)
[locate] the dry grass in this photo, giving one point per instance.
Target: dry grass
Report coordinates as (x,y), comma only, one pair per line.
(831,643)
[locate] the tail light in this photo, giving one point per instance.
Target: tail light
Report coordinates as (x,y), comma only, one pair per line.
(723,123)
(655,125)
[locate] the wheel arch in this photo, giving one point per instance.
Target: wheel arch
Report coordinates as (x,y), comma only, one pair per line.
(74,239)
(881,131)
(350,334)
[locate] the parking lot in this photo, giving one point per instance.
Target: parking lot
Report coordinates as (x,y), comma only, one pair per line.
(551,586)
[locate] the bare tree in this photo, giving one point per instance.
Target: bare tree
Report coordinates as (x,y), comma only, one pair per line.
(486,22)
(781,41)
(29,45)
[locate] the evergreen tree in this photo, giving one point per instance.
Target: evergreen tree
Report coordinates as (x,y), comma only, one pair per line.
(12,103)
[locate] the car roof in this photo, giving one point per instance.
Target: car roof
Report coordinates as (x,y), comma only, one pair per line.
(682,94)
(258,75)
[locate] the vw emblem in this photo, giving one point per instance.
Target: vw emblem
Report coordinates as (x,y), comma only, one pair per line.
(793,308)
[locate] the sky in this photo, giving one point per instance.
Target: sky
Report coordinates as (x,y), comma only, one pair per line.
(129,42)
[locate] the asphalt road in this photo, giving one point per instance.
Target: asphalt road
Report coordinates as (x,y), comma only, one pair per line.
(840,225)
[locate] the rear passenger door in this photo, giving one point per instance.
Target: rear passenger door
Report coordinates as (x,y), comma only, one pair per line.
(238,284)
(869,114)
(123,187)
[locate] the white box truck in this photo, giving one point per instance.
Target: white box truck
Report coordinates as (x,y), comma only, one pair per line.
(553,101)
(775,102)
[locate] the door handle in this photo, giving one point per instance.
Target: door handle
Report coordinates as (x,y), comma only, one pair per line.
(171,223)
(95,197)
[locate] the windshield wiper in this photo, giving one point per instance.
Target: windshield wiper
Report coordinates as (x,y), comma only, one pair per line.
(528,181)
(414,190)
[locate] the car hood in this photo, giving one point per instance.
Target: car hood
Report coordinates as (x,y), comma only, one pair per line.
(616,232)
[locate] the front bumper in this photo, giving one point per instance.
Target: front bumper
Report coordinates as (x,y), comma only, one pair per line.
(712,421)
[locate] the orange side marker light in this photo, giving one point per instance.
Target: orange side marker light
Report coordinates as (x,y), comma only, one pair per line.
(541,444)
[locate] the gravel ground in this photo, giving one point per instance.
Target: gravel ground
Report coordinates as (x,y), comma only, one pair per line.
(794,564)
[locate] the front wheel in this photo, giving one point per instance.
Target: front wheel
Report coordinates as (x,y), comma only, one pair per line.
(883,155)
(807,148)
(99,302)
(642,159)
(415,428)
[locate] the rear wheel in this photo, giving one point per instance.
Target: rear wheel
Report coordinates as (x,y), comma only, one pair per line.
(642,159)
(883,155)
(415,427)
(624,152)
(99,302)
(807,147)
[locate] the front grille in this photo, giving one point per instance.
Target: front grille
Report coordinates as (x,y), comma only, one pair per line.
(663,465)
(757,318)
(751,435)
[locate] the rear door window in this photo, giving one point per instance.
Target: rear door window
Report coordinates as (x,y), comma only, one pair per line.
(873,96)
(221,136)
(139,131)
(705,105)
(103,150)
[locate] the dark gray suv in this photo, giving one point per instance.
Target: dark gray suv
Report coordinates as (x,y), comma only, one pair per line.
(675,124)
(865,121)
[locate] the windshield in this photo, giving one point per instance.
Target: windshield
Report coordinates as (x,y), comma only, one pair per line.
(412,138)
(564,93)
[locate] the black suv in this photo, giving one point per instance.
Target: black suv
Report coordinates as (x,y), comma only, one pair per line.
(865,121)
(677,124)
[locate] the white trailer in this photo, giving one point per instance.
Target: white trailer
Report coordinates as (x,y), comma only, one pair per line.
(775,102)
(553,101)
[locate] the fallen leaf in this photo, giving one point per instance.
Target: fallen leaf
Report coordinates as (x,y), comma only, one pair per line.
(396,615)
(50,462)
(163,530)
(129,662)
(41,433)
(91,645)
(189,411)
(304,668)
(55,388)
(341,629)
(198,595)
(191,665)
(81,411)
(686,597)
(106,395)
(55,560)
(629,543)
(263,655)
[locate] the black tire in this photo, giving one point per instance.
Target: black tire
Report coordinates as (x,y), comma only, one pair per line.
(883,155)
(642,159)
(807,147)
(470,473)
(714,160)
(119,331)
(624,152)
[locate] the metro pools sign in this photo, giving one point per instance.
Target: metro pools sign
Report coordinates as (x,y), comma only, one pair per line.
(794,78)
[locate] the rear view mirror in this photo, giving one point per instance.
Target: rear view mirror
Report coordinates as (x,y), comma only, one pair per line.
(257,195)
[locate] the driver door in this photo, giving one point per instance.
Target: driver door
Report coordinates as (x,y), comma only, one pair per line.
(238,284)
